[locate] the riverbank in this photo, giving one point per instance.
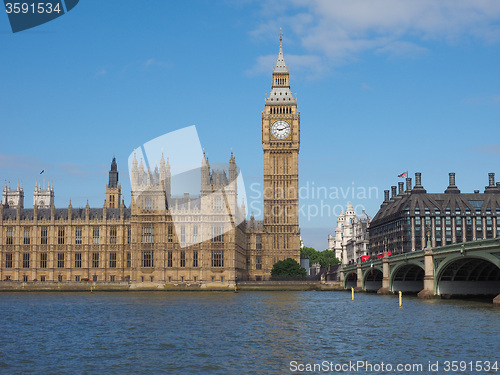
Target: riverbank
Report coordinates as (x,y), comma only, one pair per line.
(124,286)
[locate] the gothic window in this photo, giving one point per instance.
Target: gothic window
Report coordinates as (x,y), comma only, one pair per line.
(148,204)
(183,258)
(60,236)
(148,233)
(95,260)
(183,233)
(195,233)
(128,235)
(8,260)
(195,258)
(43,260)
(43,236)
(259,242)
(78,260)
(170,237)
(95,236)
(78,236)
(60,260)
(169,258)
(217,258)
(217,203)
(10,236)
(112,259)
(26,260)
(27,239)
(147,258)
(112,235)
(129,260)
(258,263)
(217,234)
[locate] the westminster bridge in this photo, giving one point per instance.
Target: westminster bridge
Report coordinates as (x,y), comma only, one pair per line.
(469,268)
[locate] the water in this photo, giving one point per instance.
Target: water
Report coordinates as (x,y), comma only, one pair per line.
(243,333)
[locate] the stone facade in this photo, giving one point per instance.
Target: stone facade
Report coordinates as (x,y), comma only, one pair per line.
(351,235)
(409,217)
(161,239)
(277,237)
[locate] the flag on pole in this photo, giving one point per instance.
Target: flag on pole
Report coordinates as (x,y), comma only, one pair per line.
(43,170)
(403,175)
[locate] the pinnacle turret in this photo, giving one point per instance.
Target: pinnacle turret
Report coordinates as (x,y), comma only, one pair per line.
(280,66)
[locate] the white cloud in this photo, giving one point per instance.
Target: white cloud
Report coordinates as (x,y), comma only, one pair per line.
(340,30)
(154,62)
(401,49)
(366,87)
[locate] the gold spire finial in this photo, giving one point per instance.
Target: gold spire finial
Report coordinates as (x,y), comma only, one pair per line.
(281,35)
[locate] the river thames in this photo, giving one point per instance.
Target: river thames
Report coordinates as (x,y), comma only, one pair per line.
(244,333)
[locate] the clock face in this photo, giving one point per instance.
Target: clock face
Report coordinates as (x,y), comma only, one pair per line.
(280,129)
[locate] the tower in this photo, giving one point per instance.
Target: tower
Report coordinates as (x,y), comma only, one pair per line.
(13,198)
(280,143)
(43,198)
(113,188)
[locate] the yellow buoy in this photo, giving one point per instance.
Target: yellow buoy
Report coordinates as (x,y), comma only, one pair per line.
(400,299)
(352,292)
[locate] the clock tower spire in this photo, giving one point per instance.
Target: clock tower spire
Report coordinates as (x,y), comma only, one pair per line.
(281,143)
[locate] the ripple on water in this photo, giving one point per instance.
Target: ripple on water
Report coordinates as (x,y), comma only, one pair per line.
(248,332)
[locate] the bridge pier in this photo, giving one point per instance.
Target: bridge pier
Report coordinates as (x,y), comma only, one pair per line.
(429,282)
(496,301)
(386,277)
(359,281)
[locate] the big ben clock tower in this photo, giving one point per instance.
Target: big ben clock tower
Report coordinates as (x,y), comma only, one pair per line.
(281,142)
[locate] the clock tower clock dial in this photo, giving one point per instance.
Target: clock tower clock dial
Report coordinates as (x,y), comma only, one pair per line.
(280,129)
(281,143)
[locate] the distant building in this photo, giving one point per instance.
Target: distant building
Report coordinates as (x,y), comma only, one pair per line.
(404,220)
(304,263)
(351,235)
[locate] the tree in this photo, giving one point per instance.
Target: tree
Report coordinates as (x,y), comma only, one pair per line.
(325,258)
(328,258)
(288,268)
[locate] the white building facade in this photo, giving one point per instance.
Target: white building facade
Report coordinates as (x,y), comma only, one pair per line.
(351,235)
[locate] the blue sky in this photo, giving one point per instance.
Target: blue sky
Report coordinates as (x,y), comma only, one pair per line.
(383,87)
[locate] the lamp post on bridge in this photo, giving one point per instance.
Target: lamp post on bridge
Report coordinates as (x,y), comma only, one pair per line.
(428,291)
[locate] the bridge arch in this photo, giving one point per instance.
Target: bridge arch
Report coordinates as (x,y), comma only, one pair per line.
(407,277)
(372,278)
(351,280)
(460,274)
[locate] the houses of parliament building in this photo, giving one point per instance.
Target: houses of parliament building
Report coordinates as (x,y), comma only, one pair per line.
(161,239)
